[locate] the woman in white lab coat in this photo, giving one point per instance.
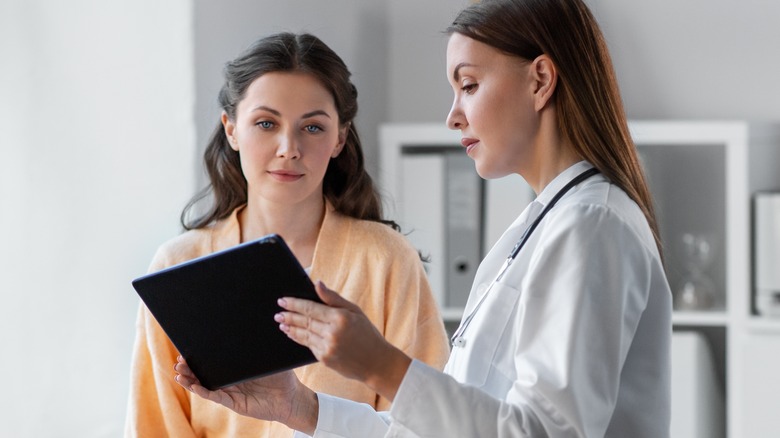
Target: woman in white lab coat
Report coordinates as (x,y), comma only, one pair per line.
(568,325)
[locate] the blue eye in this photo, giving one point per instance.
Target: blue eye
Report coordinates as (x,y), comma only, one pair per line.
(312,129)
(265,124)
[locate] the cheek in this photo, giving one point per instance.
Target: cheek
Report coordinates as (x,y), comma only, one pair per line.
(254,159)
(322,148)
(321,159)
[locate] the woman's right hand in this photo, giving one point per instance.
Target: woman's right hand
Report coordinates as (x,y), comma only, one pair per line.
(279,397)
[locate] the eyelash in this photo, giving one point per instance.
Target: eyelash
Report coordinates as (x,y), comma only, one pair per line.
(317,129)
(469,88)
(267,124)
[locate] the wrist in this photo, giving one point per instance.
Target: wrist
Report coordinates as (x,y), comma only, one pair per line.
(305,411)
(387,377)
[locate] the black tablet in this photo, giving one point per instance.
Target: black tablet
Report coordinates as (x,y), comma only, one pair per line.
(218,310)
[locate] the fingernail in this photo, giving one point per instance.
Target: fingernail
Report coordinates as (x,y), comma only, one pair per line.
(284,327)
(282,302)
(279,317)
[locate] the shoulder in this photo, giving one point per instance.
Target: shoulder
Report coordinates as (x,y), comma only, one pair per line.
(221,234)
(601,209)
(186,246)
(370,240)
(372,234)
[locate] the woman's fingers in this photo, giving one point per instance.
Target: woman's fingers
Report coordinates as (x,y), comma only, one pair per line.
(305,337)
(338,333)
(331,298)
(300,320)
(314,309)
(186,378)
(181,367)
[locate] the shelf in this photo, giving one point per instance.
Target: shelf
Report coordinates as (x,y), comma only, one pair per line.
(701,318)
(767,325)
(452,314)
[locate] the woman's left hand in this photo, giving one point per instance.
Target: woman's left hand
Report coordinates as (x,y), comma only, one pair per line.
(278,397)
(341,336)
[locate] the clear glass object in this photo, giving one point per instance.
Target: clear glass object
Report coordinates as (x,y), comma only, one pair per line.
(696,290)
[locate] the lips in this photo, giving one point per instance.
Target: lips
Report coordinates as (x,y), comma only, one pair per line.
(285,175)
(469,143)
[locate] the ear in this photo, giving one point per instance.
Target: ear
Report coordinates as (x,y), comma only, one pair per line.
(545,76)
(230,129)
(343,133)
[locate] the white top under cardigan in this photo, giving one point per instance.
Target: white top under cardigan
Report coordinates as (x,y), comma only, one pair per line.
(572,342)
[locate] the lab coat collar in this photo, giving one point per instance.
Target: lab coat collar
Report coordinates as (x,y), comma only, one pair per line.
(561,180)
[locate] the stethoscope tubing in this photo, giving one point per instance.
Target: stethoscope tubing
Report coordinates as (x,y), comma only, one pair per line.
(457,338)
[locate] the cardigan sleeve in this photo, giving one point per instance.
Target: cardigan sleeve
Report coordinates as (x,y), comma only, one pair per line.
(412,319)
(157,405)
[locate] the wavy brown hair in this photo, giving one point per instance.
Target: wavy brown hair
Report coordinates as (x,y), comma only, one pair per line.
(590,110)
(346,185)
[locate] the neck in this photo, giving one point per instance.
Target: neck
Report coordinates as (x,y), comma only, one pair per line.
(298,224)
(553,155)
(551,169)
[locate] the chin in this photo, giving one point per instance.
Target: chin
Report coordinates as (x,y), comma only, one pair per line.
(488,173)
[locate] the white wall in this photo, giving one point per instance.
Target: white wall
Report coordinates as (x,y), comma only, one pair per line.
(695,59)
(96,161)
(418,86)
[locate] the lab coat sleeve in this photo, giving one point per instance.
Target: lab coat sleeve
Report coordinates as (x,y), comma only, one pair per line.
(581,301)
(342,418)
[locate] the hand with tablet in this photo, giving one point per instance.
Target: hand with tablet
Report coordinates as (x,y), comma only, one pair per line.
(339,334)
(271,398)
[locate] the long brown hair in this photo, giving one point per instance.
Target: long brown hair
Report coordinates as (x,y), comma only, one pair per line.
(591,115)
(346,185)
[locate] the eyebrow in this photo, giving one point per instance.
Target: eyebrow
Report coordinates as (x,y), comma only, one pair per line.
(315,113)
(456,72)
(305,116)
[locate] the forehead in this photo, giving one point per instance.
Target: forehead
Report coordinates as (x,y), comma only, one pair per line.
(290,90)
(462,50)
(465,52)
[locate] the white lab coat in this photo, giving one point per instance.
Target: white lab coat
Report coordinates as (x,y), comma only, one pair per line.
(572,342)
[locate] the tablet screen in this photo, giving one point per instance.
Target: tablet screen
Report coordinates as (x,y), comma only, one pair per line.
(218,310)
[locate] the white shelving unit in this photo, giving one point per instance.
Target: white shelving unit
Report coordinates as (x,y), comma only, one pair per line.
(724,163)
(413,177)
(702,175)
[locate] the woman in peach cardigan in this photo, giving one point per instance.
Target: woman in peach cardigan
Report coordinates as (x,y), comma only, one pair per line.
(286,158)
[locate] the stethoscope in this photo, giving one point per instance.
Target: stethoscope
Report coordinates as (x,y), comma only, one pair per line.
(457,338)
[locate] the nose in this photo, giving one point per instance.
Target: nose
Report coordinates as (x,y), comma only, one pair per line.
(456,119)
(288,147)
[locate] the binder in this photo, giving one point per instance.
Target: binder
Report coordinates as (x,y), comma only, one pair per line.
(422,213)
(441,208)
(463,241)
(504,200)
